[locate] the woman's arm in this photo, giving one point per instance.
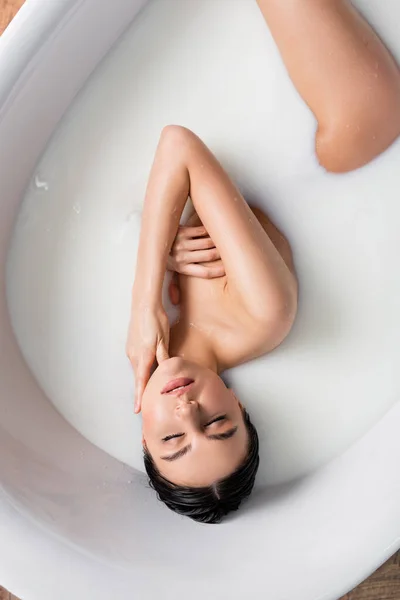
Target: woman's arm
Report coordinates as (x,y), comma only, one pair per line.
(343,72)
(257,275)
(166,196)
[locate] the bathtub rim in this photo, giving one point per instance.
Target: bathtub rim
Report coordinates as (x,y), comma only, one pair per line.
(20,532)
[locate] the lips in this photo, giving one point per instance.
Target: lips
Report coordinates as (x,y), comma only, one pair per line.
(177,383)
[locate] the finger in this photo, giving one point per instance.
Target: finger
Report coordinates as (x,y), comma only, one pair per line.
(216,269)
(203,256)
(162,351)
(133,361)
(190,232)
(139,389)
(197,231)
(204,243)
(143,376)
(172,264)
(205,271)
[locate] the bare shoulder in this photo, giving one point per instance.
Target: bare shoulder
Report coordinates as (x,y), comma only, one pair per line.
(238,336)
(242,340)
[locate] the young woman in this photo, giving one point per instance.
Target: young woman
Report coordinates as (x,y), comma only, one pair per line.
(234,275)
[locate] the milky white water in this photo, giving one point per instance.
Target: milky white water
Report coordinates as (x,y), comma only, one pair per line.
(71,264)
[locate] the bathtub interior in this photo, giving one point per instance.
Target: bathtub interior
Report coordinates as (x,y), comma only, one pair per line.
(100,507)
(43,458)
(71,258)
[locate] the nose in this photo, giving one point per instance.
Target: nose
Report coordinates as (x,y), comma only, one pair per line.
(186,407)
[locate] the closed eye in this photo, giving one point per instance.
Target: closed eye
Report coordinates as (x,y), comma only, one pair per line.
(177,435)
(171,437)
(216,436)
(215,420)
(226,435)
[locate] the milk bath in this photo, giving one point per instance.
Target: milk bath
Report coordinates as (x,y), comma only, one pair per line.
(72,257)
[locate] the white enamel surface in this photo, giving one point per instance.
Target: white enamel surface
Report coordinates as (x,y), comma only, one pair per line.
(72,258)
(62,500)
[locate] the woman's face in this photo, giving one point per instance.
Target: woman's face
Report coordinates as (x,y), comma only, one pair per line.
(195,435)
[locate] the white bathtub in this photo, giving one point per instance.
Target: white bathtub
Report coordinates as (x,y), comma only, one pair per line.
(75,523)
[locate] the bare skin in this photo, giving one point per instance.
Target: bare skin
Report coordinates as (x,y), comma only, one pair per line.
(343,72)
(204,301)
(351,83)
(224,321)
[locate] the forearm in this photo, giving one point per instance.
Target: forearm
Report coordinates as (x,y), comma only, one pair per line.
(166,196)
(256,273)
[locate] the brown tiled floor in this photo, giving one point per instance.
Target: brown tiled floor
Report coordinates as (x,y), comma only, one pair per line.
(4,595)
(384,584)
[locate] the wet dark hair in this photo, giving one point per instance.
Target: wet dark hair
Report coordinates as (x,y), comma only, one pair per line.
(209,504)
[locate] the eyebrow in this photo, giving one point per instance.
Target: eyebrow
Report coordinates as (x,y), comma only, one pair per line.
(215,436)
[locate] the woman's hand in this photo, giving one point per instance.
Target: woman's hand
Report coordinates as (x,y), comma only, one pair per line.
(148,340)
(194,253)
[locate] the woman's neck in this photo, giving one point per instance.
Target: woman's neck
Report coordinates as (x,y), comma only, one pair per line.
(191,340)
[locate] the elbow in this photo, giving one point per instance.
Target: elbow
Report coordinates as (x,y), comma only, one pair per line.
(352,142)
(342,152)
(285,320)
(177,142)
(285,315)
(281,314)
(176,135)
(280,325)
(358,133)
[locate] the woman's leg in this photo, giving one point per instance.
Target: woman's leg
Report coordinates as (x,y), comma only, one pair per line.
(343,72)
